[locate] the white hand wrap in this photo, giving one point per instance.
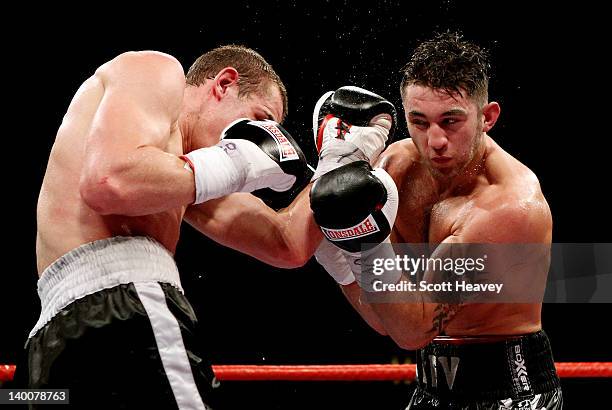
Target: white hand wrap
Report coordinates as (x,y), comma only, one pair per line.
(234,166)
(333,260)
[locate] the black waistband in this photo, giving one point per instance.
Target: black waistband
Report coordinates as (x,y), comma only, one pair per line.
(515,368)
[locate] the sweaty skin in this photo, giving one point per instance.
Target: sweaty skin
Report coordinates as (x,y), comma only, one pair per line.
(493,198)
(114,168)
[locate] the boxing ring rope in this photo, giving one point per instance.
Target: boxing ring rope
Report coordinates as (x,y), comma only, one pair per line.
(353,372)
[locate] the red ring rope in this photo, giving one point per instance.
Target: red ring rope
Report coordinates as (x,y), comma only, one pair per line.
(354,371)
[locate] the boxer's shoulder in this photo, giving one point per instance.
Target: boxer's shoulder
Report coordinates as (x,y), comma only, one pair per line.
(155,60)
(151,69)
(152,79)
(503,168)
(399,159)
(517,205)
(512,183)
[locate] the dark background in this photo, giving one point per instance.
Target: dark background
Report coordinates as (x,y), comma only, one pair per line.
(546,76)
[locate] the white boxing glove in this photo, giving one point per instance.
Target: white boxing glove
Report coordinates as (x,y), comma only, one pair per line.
(351,124)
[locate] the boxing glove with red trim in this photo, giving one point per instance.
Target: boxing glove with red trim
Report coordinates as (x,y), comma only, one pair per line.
(351,124)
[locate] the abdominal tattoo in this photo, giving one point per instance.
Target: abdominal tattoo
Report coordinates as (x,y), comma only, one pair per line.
(443,313)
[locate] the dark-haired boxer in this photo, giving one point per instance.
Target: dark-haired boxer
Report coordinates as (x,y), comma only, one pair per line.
(456,186)
(140,142)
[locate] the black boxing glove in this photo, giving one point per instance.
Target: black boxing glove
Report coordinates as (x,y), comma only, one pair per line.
(251,156)
(351,124)
(291,160)
(355,207)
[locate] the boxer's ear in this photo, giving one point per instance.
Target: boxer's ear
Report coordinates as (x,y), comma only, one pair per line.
(223,81)
(490,113)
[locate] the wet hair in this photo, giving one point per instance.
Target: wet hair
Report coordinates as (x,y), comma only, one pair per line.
(255,73)
(448,62)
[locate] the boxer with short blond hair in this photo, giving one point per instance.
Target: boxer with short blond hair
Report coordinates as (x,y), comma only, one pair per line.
(139,144)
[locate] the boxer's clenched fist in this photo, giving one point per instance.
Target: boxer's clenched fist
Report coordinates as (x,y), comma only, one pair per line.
(355,206)
(251,155)
(351,124)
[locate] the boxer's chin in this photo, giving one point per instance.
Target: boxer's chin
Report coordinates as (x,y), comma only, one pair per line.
(443,171)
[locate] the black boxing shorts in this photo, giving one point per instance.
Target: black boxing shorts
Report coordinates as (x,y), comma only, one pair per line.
(487,373)
(117,331)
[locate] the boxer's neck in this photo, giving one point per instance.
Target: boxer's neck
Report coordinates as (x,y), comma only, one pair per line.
(192,119)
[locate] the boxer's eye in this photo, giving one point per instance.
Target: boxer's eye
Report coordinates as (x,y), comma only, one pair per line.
(450,121)
(419,123)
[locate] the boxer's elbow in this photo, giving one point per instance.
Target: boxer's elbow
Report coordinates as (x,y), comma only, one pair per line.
(410,341)
(287,252)
(105,194)
(409,337)
(298,257)
(301,247)
(380,330)
(374,323)
(290,257)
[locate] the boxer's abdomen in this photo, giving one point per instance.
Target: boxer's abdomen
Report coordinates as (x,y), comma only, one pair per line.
(496,319)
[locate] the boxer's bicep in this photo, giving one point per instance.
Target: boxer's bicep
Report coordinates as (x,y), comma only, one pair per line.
(481,227)
(510,220)
(487,230)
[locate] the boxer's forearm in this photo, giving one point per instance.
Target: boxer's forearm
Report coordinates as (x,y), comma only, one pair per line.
(285,239)
(411,318)
(408,324)
(147,181)
(352,292)
(300,232)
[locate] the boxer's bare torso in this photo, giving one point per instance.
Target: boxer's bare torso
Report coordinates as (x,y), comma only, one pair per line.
(114,169)
(430,214)
(64,220)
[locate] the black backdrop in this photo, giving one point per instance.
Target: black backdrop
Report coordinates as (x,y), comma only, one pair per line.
(548,77)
